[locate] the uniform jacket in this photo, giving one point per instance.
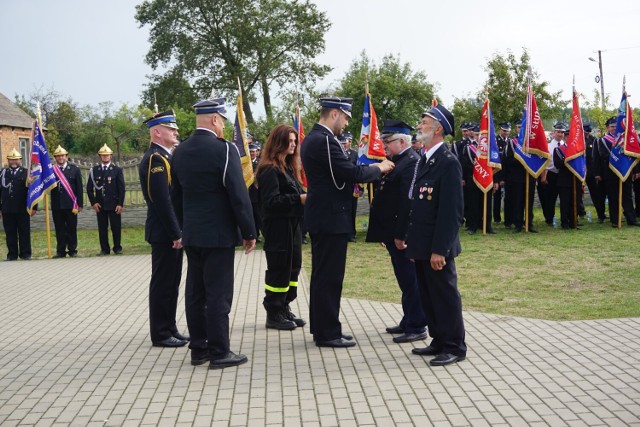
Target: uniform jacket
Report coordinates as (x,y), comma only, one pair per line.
(591,145)
(467,160)
(155,177)
(512,168)
(389,215)
(565,176)
(498,174)
(330,178)
(13,191)
(281,207)
(209,194)
(106,187)
(437,207)
(59,197)
(254,196)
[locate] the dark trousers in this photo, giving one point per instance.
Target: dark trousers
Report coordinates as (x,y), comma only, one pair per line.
(598,195)
(497,201)
(208,298)
(442,306)
(476,203)
(257,217)
(283,268)
(66,224)
(328,259)
(636,196)
(413,321)
(612,184)
(354,208)
(509,189)
(519,195)
(566,207)
(17,229)
(106,218)
(166,272)
(548,195)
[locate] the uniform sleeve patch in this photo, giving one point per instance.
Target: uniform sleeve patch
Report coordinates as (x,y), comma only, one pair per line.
(157,169)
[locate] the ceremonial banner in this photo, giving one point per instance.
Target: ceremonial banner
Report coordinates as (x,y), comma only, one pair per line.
(64,183)
(297,125)
(40,170)
(487,153)
(370,148)
(532,149)
(240,140)
(624,154)
(575,153)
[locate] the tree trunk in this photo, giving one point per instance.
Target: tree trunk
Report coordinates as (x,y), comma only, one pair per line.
(247,110)
(267,98)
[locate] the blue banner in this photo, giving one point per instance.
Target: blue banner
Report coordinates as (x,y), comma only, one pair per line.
(42,177)
(533,163)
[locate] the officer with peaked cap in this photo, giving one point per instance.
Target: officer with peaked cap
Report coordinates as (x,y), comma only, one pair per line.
(389,219)
(162,231)
(13,208)
(516,176)
(611,181)
(106,189)
(212,204)
(330,177)
(596,188)
(498,175)
(432,238)
(66,202)
(548,181)
(345,139)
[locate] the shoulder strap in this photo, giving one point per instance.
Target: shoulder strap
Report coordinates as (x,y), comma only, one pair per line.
(166,163)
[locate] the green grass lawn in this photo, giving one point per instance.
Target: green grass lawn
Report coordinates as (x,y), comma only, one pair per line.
(559,275)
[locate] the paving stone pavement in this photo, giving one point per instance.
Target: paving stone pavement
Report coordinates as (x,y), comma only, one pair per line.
(75,350)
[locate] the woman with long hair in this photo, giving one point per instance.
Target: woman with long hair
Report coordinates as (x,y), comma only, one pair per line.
(282,198)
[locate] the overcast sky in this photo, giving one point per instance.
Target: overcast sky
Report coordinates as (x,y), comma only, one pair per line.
(93,51)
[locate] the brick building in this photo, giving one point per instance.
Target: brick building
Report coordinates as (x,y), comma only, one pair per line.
(15,130)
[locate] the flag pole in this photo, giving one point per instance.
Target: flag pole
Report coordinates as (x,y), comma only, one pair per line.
(527,130)
(573,179)
(46,194)
(366,90)
(484,214)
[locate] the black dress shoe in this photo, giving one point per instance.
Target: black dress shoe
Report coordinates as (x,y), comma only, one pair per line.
(517,230)
(409,337)
(11,259)
(337,343)
(347,337)
(231,359)
(73,254)
(445,359)
(426,351)
(181,337)
(102,253)
(118,252)
(352,239)
(532,230)
(59,256)
(199,357)
(26,258)
(170,342)
(395,329)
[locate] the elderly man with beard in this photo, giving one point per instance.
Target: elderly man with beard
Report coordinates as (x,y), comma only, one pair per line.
(432,239)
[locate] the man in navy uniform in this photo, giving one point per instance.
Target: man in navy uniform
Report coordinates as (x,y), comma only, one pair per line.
(13,208)
(432,240)
(611,181)
(389,219)
(63,206)
(498,175)
(212,204)
(162,231)
(345,139)
(330,177)
(515,176)
(105,188)
(596,189)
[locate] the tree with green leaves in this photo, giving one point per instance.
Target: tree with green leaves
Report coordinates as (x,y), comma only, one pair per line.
(397,91)
(259,42)
(169,91)
(507,88)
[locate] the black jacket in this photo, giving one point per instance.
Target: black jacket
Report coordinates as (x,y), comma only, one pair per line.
(209,194)
(389,215)
(565,176)
(13,191)
(437,207)
(330,178)
(155,178)
(59,197)
(106,187)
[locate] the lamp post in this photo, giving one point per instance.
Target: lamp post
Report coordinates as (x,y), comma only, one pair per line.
(599,61)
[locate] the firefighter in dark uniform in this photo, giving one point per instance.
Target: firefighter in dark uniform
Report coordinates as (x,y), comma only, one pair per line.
(105,188)
(345,139)
(388,221)
(254,195)
(474,197)
(282,199)
(432,238)
(162,231)
(498,175)
(611,181)
(62,206)
(330,178)
(596,189)
(212,203)
(565,184)
(515,176)
(13,208)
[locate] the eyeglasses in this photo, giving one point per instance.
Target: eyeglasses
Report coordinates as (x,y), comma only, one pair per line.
(387,142)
